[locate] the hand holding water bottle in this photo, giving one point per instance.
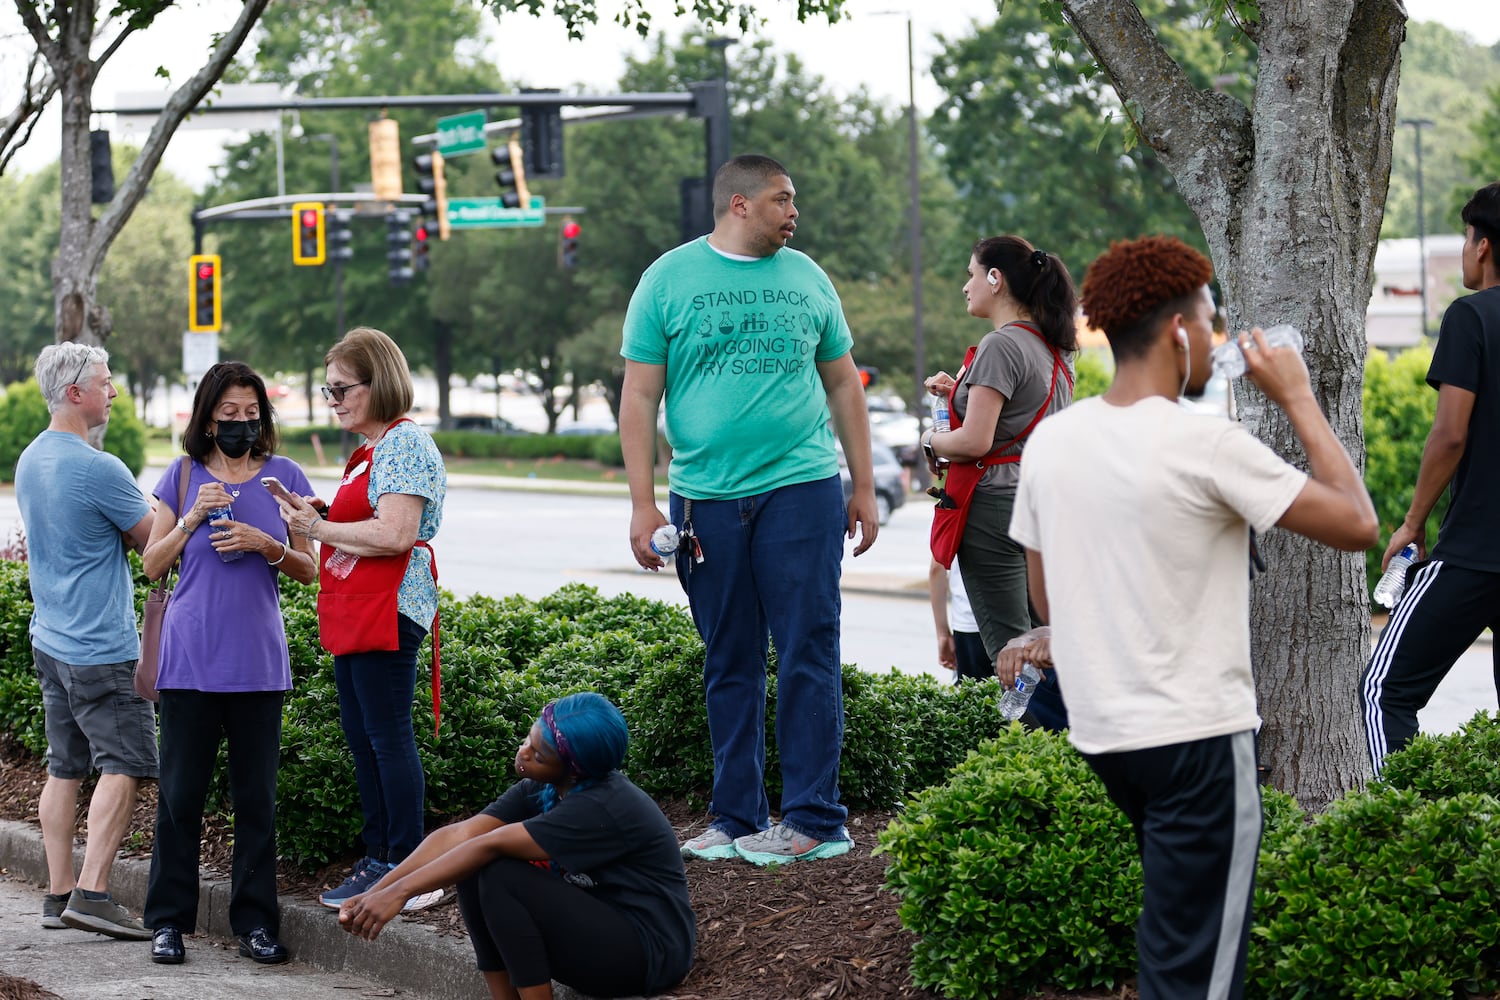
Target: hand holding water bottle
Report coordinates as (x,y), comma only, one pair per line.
(1278,372)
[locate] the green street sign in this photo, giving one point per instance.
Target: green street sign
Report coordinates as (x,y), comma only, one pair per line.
(491,213)
(459,134)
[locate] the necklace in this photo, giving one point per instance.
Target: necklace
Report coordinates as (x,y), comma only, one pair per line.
(232,490)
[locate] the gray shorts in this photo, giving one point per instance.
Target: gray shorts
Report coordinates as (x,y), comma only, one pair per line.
(95,720)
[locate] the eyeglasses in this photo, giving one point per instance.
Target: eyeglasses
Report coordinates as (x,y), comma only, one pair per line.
(335,393)
(88,359)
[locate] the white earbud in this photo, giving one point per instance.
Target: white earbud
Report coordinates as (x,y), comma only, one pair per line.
(990,277)
(1182,337)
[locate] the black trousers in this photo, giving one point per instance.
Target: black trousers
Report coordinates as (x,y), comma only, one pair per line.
(530,923)
(192,724)
(1444,609)
(1195,808)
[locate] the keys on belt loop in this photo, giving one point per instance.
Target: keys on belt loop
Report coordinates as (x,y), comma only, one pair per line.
(688,538)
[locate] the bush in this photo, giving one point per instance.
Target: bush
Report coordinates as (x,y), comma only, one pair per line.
(1017,872)
(607,451)
(1384,895)
(1437,767)
(23,415)
(1093,371)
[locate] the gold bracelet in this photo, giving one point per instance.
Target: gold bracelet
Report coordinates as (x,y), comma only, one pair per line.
(284,551)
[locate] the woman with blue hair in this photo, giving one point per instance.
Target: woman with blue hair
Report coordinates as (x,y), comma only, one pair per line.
(572,875)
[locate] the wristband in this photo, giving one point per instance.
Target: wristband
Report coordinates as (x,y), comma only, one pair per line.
(927,446)
(284,551)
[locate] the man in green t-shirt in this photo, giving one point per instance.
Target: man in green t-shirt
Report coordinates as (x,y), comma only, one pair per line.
(747,340)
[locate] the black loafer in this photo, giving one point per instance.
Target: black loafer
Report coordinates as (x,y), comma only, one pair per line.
(166,946)
(260,945)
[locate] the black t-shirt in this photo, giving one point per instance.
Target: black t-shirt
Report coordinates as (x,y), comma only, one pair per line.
(1468,357)
(612,838)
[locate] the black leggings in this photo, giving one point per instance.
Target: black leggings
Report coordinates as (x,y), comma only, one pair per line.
(526,921)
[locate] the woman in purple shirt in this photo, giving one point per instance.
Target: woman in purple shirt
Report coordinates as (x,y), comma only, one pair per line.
(224,664)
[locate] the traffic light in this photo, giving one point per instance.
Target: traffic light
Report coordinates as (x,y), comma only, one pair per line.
(419,248)
(868,376)
(432,182)
(512,174)
(204,307)
(339,234)
(398,246)
(542,137)
(307,234)
(567,254)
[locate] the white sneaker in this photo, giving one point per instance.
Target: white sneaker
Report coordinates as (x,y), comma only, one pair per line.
(423,901)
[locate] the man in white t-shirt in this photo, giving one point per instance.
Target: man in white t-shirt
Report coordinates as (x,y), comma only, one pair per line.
(1135,516)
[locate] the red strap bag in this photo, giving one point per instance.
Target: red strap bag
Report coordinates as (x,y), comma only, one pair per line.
(952,513)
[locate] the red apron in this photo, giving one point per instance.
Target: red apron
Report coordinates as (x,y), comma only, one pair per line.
(948,522)
(358,613)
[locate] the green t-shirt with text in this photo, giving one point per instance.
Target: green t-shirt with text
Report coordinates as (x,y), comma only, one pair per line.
(741,341)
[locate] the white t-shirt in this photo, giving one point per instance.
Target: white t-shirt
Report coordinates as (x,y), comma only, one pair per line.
(960,613)
(1140,516)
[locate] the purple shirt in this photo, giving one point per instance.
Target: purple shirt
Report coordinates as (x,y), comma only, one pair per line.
(223,630)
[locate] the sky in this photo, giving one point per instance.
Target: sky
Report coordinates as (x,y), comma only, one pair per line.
(867,48)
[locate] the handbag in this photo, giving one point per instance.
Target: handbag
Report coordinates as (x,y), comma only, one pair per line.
(951,514)
(156,610)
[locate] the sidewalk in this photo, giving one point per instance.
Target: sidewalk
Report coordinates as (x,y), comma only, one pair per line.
(407,960)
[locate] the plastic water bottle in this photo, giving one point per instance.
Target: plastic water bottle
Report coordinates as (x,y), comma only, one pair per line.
(1229,361)
(1014,701)
(940,423)
(664,540)
(341,564)
(1393,584)
(225,513)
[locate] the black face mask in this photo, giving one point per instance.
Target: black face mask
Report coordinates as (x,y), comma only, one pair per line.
(235,437)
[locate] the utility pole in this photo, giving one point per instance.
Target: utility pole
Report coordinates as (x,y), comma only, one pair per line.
(1417,125)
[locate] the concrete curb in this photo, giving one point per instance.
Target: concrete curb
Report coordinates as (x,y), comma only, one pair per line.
(410,957)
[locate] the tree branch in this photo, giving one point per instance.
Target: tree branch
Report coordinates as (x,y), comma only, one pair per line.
(133,188)
(142,19)
(1204,138)
(37,29)
(16,127)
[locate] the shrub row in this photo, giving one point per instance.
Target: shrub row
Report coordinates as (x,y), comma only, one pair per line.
(502,661)
(1018,872)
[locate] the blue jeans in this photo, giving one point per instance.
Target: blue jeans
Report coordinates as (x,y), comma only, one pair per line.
(376,691)
(771,565)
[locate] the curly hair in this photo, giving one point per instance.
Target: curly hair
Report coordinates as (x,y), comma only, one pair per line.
(1135,282)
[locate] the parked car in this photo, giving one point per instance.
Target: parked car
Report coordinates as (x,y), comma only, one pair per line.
(891,479)
(486,425)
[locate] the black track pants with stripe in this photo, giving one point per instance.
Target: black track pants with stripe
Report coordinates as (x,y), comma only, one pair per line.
(1195,808)
(1444,610)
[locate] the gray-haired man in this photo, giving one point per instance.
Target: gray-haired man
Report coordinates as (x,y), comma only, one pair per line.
(81,507)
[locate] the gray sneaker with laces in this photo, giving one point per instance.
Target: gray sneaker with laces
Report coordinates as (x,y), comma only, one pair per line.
(103,916)
(781,844)
(712,844)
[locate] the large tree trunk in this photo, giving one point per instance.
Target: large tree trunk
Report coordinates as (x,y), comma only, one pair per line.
(1290,195)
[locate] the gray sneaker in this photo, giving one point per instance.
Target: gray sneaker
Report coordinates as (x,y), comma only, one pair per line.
(781,844)
(52,910)
(103,916)
(712,844)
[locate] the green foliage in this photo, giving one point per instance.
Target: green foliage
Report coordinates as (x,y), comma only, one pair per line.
(477,444)
(1094,370)
(23,415)
(1385,895)
(607,451)
(1437,767)
(20,696)
(1017,872)
(1398,411)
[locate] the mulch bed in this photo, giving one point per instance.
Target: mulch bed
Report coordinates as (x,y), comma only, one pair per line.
(814,930)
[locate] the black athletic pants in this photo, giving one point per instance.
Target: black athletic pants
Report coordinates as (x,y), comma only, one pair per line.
(1445,608)
(528,922)
(1195,808)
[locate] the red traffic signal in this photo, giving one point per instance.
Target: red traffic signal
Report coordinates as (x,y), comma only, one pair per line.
(307,234)
(567,250)
(205,308)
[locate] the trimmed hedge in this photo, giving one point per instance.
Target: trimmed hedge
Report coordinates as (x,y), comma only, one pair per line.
(502,661)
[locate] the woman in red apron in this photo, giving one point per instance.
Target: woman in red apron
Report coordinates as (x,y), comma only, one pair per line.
(378,592)
(1020,372)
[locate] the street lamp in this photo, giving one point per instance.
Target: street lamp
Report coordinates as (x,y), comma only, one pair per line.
(722,43)
(919,337)
(1417,125)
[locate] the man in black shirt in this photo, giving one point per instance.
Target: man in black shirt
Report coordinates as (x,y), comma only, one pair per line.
(1453,593)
